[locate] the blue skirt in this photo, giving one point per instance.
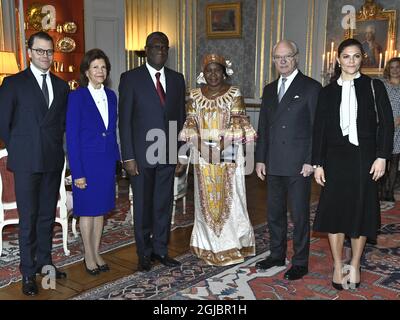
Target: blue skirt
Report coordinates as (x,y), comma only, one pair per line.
(98,198)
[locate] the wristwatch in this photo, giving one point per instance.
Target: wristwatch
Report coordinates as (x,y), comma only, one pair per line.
(315,166)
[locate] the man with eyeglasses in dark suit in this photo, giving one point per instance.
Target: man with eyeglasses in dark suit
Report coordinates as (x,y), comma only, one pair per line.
(33,108)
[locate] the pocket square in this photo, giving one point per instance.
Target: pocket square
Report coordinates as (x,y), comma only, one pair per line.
(296,97)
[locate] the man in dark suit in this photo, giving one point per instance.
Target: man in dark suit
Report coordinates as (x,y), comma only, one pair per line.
(33,108)
(152,97)
(283,153)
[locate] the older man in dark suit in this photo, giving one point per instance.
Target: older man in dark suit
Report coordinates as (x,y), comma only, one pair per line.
(152,98)
(32,122)
(283,154)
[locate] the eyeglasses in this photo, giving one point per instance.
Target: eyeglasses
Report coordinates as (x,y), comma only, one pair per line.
(286,58)
(41,52)
(158,47)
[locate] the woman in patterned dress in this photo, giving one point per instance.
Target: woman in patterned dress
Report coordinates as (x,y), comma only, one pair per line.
(392,84)
(216,122)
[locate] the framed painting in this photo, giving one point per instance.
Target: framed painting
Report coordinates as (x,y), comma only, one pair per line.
(224,20)
(376,30)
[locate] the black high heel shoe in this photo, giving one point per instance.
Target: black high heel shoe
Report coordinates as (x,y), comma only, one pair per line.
(337,286)
(357,284)
(103,267)
(92,272)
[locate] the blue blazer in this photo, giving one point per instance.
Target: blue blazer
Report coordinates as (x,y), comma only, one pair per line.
(85,130)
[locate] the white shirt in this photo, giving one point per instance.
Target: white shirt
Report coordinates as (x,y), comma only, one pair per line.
(100,98)
(153,72)
(38,76)
(348,109)
(289,80)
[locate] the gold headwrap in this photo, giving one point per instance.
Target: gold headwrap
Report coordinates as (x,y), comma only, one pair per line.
(210,58)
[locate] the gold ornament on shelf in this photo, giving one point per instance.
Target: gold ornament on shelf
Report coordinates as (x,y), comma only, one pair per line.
(70,27)
(73,84)
(66,44)
(35,16)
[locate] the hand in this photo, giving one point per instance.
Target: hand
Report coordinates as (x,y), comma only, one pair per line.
(180,169)
(261,170)
(319,176)
(211,153)
(307,170)
(80,183)
(131,167)
(397,122)
(378,169)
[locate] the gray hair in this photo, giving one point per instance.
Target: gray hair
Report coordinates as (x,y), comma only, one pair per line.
(291,43)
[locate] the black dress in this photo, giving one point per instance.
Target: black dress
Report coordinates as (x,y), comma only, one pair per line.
(349,201)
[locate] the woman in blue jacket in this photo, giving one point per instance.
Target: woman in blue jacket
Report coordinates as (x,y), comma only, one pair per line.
(93,152)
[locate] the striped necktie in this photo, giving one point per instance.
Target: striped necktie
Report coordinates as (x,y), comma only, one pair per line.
(281,92)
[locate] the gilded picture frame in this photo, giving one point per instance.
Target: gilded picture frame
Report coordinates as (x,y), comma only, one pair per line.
(224,20)
(376,30)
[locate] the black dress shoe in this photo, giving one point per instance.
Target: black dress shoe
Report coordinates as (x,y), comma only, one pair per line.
(59,274)
(269,263)
(165,260)
(390,199)
(92,272)
(144,263)
(103,267)
(296,272)
(29,286)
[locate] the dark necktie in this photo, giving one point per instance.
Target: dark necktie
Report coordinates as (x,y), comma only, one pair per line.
(160,90)
(281,92)
(45,89)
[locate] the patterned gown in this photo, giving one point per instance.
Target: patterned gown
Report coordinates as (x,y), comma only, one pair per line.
(222,232)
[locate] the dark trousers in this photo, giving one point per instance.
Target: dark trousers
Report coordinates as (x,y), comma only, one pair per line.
(152,204)
(297,189)
(37,196)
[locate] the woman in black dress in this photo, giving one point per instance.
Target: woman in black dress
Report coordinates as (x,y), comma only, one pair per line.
(353,137)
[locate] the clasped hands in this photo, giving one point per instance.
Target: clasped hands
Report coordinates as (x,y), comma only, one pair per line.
(80,183)
(210,151)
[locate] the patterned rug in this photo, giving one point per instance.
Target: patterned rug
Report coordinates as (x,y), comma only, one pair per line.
(196,280)
(118,232)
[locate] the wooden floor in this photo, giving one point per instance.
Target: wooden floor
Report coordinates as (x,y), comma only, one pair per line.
(124,261)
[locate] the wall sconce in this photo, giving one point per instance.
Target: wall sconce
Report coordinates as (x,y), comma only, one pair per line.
(135,58)
(8,64)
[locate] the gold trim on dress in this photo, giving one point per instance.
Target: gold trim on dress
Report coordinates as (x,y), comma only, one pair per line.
(226,257)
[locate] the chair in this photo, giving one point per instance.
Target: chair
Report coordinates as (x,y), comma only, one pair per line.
(180,190)
(8,204)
